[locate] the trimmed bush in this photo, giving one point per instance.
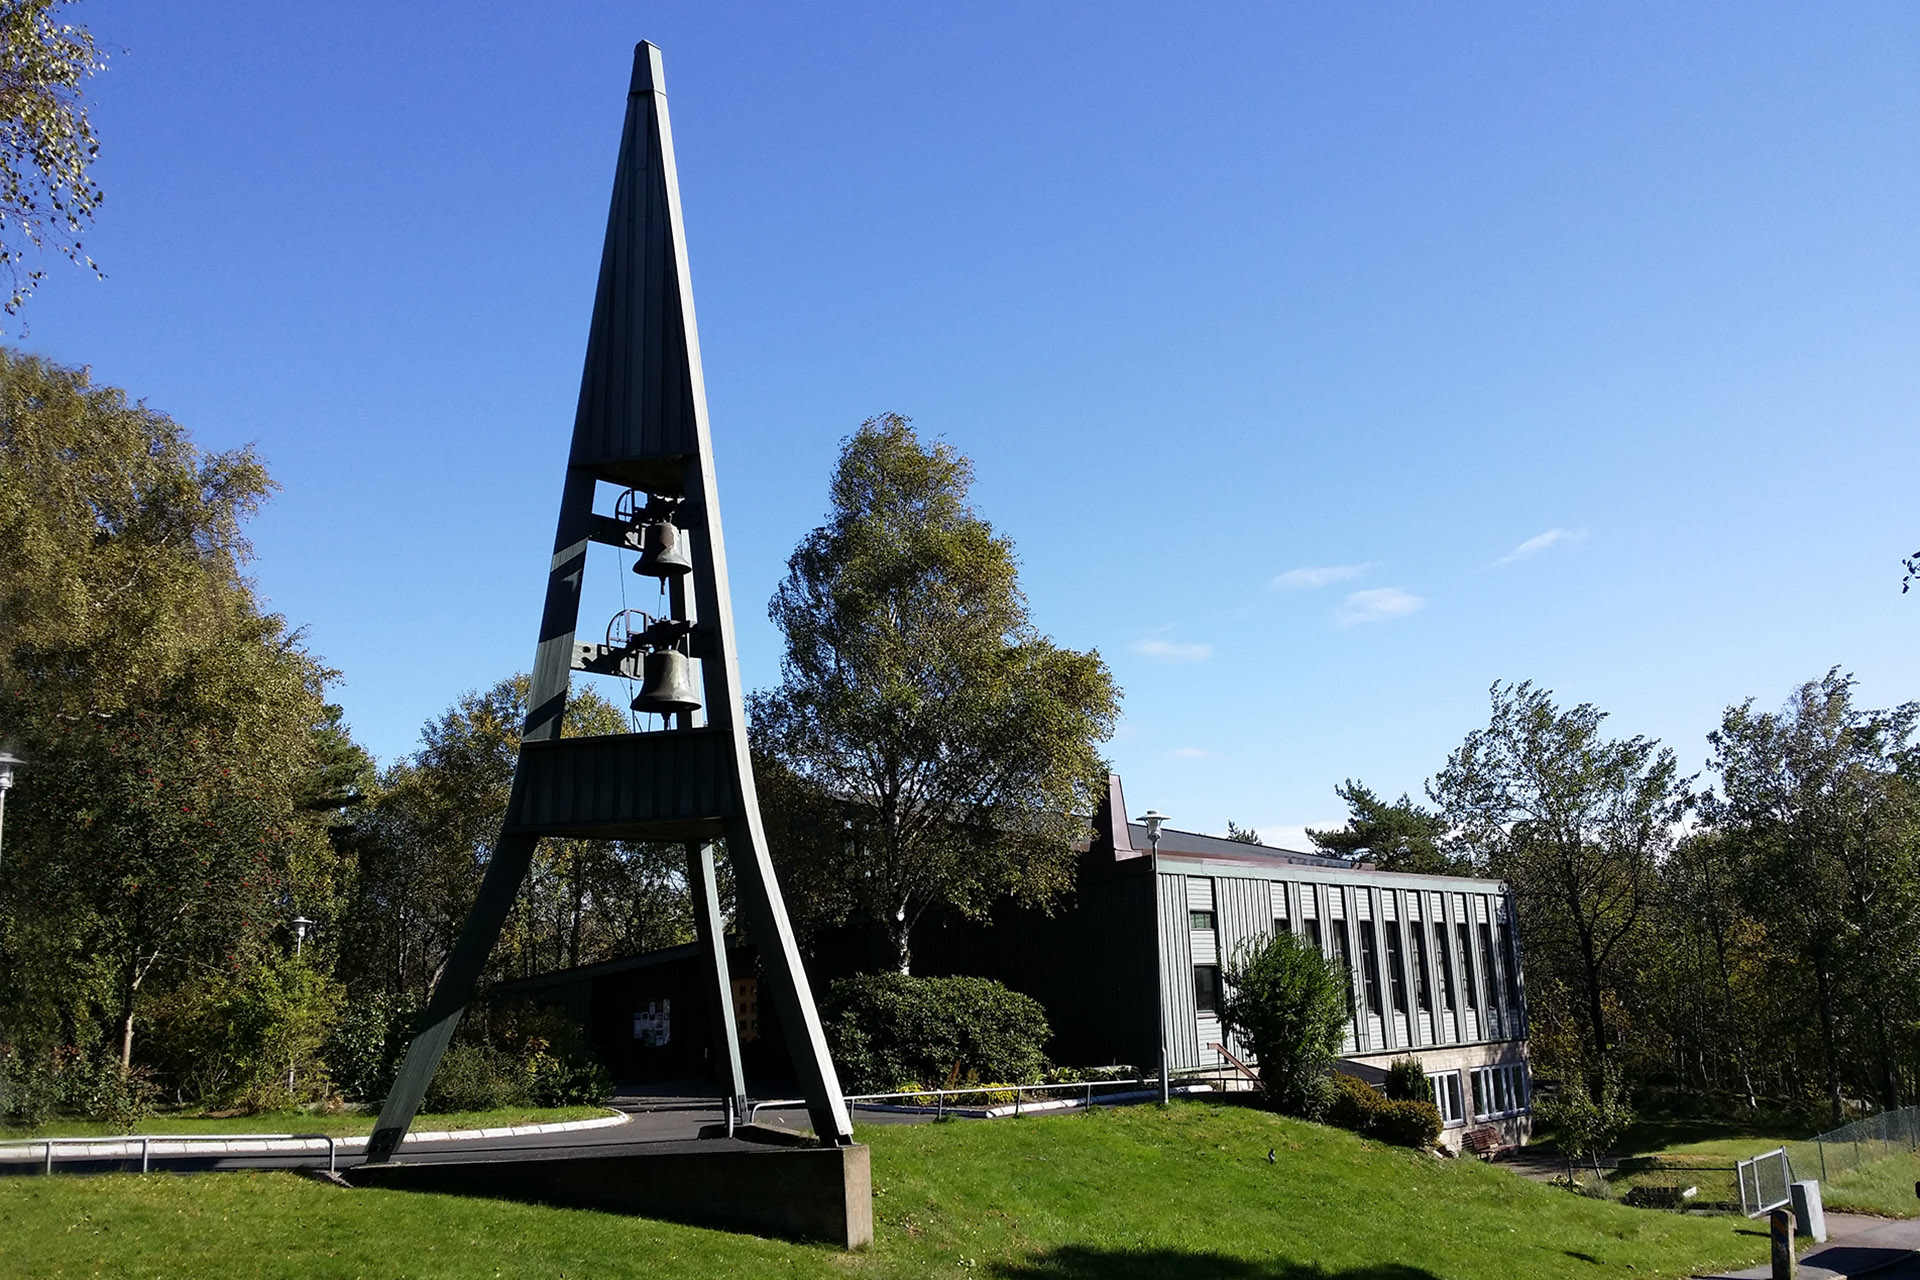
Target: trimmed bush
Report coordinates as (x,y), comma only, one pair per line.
(1359,1106)
(1407,1082)
(1354,1103)
(887,1027)
(1407,1123)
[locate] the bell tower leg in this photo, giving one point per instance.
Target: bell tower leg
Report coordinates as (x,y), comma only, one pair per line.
(711,929)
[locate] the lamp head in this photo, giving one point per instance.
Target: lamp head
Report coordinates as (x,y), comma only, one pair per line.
(1154,820)
(300,926)
(10,759)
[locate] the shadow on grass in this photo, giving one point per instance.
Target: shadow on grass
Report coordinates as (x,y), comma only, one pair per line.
(1078,1262)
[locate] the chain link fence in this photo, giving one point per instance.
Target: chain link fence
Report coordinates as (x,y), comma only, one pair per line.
(1850,1146)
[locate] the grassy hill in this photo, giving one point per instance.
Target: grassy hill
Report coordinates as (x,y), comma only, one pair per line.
(1185,1194)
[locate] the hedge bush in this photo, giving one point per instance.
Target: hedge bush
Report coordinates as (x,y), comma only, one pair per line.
(1354,1103)
(883,1028)
(1406,1122)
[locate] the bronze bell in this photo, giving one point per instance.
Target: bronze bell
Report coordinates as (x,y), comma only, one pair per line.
(663,554)
(666,684)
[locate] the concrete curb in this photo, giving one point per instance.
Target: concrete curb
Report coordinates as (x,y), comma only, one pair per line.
(35,1149)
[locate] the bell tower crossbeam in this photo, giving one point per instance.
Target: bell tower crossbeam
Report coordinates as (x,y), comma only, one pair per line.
(642,424)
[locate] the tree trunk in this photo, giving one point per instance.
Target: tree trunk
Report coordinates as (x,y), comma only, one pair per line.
(899,934)
(1829,1037)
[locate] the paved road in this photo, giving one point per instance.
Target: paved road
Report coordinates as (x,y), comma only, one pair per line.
(1885,1248)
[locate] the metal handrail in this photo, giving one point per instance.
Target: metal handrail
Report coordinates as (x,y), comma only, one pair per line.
(940,1096)
(146,1141)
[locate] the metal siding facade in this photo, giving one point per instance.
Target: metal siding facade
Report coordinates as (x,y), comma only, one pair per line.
(635,398)
(675,785)
(1176,972)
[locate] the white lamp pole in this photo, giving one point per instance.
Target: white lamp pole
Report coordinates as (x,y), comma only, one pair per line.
(8,763)
(300,926)
(1154,820)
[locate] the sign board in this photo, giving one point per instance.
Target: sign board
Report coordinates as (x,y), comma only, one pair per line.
(653,1025)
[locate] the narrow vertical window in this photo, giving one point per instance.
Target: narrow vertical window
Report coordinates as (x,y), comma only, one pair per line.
(1396,968)
(1370,967)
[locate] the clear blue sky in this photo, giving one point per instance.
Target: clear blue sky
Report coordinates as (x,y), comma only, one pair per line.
(1573,343)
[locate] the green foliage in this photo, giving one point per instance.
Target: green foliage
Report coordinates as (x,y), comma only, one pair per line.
(1407,1122)
(47,192)
(1578,825)
(367,1043)
(885,1028)
(938,745)
(554,1065)
(1588,1121)
(1288,1003)
(169,811)
(1407,1081)
(70,1082)
(1401,836)
(1354,1104)
(231,1039)
(475,1077)
(518,1054)
(1242,835)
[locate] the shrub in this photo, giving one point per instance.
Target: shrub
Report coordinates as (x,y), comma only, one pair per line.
(1407,1123)
(473,1077)
(1407,1081)
(555,1066)
(366,1046)
(70,1081)
(888,1027)
(1354,1104)
(1288,1003)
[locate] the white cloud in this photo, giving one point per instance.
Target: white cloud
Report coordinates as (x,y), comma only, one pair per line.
(1193,753)
(1307,578)
(1380,604)
(1542,542)
(1173,650)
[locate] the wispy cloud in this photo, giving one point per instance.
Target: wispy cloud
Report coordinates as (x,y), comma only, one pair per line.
(1325,575)
(1542,542)
(1172,650)
(1193,753)
(1380,604)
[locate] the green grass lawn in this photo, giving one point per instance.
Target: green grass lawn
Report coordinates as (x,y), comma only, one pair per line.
(1129,1194)
(302,1122)
(1884,1187)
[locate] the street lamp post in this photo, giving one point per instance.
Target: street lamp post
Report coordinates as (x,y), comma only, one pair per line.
(1154,820)
(300,926)
(8,763)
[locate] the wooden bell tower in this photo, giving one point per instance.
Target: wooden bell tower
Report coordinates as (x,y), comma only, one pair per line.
(642,428)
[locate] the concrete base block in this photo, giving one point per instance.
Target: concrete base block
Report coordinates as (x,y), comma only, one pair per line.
(809,1193)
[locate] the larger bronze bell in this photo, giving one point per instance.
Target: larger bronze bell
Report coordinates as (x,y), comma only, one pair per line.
(663,554)
(666,684)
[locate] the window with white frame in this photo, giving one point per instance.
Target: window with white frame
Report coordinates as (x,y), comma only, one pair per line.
(1499,1091)
(1446,1097)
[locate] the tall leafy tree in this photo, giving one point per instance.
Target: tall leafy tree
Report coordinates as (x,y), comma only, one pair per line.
(958,746)
(1397,836)
(1819,801)
(1578,824)
(174,730)
(47,193)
